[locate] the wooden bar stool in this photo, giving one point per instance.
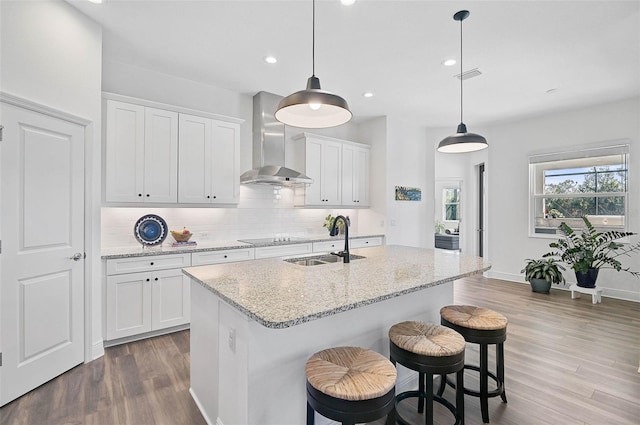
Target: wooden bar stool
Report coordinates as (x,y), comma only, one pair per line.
(480,326)
(351,385)
(429,349)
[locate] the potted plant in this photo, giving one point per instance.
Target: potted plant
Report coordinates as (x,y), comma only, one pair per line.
(542,273)
(439,227)
(328,223)
(589,251)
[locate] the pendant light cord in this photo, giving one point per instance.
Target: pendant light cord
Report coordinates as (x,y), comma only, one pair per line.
(313,40)
(461,120)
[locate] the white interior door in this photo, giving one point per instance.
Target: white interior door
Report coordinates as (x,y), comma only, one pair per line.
(42,231)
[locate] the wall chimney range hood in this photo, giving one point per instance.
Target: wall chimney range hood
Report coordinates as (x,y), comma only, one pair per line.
(268,147)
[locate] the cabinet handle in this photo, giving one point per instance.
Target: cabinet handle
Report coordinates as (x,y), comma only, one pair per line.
(367,242)
(214,196)
(151,263)
(156,279)
(225,256)
(140,195)
(148,279)
(148,195)
(208,196)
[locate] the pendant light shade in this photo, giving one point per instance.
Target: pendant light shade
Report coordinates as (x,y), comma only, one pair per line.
(462,141)
(313,107)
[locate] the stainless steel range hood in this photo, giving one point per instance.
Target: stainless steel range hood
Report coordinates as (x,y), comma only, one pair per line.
(269,145)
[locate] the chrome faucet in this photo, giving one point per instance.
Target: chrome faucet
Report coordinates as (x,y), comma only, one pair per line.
(334,231)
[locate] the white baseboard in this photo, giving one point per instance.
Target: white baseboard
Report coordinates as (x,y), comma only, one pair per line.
(199,405)
(619,294)
(97,350)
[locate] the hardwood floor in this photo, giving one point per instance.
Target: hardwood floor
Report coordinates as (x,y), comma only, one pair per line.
(567,362)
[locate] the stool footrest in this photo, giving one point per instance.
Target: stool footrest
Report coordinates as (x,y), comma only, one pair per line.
(416,393)
(493,393)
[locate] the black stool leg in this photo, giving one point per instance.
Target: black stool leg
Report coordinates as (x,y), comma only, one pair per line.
(443,384)
(500,369)
(429,399)
(421,379)
(391,417)
(310,415)
(484,382)
(459,396)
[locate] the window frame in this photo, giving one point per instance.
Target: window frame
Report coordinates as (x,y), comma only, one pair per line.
(590,152)
(444,203)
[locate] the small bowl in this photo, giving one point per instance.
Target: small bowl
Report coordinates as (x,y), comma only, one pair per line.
(181,237)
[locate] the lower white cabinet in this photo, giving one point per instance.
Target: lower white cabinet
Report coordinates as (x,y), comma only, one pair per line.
(145,294)
(145,302)
(338,245)
(283,250)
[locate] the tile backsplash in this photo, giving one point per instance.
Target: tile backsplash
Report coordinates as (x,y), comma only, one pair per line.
(261,213)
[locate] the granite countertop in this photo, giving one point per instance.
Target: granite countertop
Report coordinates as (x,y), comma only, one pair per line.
(164,249)
(279,294)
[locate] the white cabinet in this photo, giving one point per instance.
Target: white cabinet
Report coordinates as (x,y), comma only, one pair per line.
(339,169)
(283,250)
(365,242)
(156,297)
(355,175)
(141,154)
(338,244)
(209,161)
(322,162)
(222,256)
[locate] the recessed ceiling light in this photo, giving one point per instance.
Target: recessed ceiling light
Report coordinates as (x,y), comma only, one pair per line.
(270,59)
(347,2)
(449,62)
(367,94)
(96,1)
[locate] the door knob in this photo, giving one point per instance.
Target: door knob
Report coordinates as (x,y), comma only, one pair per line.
(78,256)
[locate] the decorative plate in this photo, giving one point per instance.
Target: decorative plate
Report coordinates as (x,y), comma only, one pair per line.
(150,230)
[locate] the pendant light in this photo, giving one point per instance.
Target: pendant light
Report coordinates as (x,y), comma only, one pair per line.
(313,107)
(462,141)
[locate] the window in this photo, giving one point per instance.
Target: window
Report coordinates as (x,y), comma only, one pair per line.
(567,186)
(451,204)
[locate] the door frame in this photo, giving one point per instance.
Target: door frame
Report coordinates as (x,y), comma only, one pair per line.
(89,218)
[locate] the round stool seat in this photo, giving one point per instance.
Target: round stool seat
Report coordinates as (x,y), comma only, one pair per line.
(429,349)
(472,317)
(351,373)
(427,339)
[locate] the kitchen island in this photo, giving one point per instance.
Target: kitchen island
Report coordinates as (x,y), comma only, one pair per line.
(253,325)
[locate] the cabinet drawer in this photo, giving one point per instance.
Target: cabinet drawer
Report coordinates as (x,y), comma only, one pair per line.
(145,264)
(283,250)
(365,242)
(327,246)
(222,256)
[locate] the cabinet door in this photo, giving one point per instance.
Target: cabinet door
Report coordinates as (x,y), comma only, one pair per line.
(194,169)
(313,153)
(225,163)
(361,177)
(324,166)
(160,156)
(349,172)
(128,305)
(171,304)
(331,172)
(124,152)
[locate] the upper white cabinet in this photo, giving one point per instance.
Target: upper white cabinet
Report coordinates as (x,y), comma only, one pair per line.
(209,161)
(168,155)
(141,154)
(339,169)
(355,175)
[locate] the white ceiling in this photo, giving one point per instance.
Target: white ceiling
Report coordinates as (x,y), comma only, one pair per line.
(588,50)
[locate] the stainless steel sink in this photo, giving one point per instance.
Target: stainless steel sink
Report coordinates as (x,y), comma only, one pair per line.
(320,259)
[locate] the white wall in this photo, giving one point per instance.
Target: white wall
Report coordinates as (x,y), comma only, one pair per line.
(409,162)
(510,145)
(52,55)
